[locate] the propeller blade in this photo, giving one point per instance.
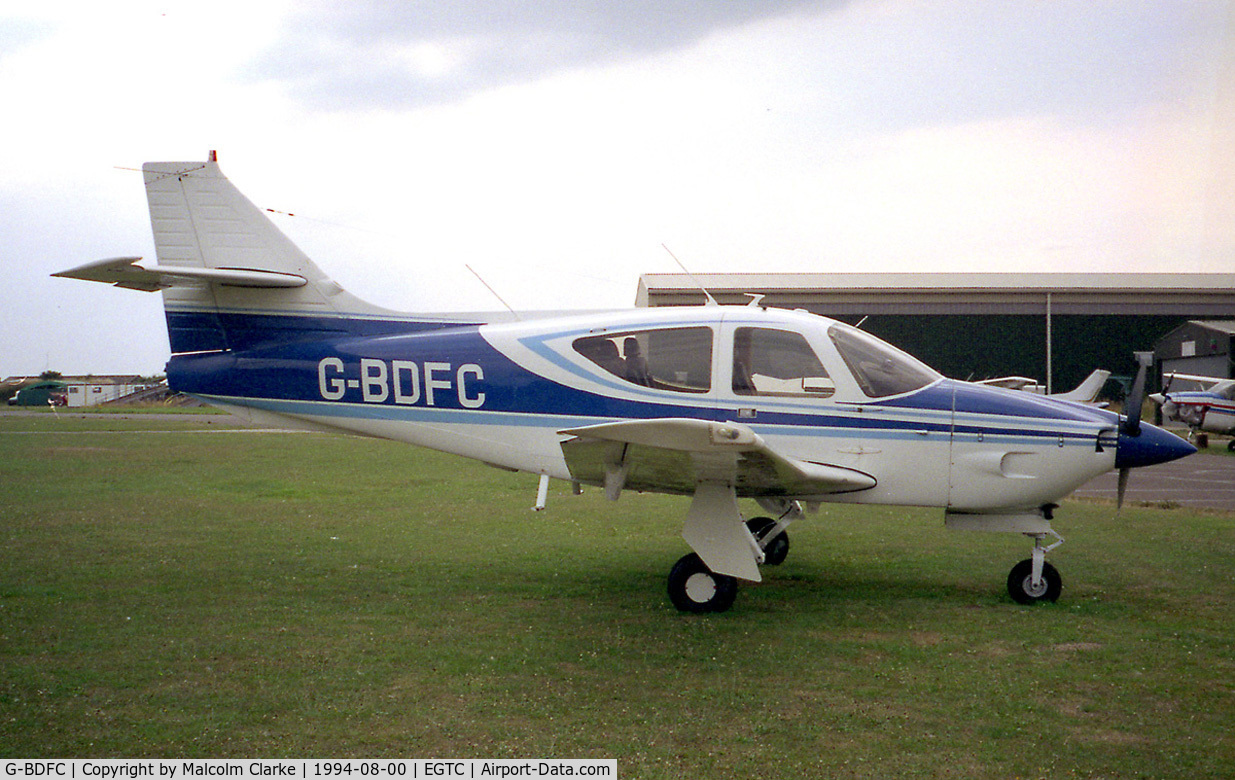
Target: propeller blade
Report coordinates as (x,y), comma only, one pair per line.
(1131,424)
(1122,488)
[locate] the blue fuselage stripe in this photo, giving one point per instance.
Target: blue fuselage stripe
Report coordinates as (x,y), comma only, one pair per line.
(455,375)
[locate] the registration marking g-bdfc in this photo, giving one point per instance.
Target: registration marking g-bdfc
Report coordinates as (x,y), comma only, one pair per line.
(404,382)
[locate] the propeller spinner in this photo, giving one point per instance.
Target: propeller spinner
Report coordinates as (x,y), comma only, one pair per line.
(1142,445)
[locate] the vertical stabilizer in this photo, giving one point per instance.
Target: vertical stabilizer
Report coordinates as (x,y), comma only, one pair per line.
(231,280)
(201,221)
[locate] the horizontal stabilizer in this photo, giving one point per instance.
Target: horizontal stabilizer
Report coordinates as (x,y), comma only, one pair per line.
(125,272)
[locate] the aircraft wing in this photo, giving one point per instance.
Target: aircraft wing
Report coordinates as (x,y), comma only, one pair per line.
(125,272)
(1009,382)
(1213,384)
(679,454)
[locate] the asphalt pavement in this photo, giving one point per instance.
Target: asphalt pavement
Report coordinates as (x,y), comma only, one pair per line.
(1203,480)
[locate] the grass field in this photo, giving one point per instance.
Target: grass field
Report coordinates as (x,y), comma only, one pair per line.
(172,589)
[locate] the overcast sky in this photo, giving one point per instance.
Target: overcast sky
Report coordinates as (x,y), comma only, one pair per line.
(554,146)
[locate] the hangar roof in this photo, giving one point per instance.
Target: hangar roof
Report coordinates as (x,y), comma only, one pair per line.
(1224,326)
(1193,295)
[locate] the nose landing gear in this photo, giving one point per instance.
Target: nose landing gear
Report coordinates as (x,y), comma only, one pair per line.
(1033,580)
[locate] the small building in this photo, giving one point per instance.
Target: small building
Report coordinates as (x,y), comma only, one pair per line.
(93,390)
(1201,347)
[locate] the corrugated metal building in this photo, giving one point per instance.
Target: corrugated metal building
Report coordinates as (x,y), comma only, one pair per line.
(1202,347)
(1052,326)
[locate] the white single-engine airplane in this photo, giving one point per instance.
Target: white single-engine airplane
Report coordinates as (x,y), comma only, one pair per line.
(1211,410)
(714,402)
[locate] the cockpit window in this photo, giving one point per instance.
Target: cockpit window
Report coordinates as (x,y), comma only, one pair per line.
(677,359)
(880,369)
(777,362)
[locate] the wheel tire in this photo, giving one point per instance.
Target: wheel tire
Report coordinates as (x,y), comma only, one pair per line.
(693,587)
(1230,446)
(775,551)
(1021,589)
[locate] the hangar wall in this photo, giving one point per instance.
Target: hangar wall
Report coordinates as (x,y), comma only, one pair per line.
(981,325)
(985,346)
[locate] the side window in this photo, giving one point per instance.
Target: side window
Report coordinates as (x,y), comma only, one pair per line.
(678,359)
(777,362)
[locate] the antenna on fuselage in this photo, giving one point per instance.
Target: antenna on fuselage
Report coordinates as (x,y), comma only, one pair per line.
(502,300)
(704,290)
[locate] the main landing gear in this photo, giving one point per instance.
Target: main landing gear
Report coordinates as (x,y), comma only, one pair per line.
(693,587)
(772,537)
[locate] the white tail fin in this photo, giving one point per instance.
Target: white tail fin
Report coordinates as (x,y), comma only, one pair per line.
(230,279)
(1087,390)
(200,220)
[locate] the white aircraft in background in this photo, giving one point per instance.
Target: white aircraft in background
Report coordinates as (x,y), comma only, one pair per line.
(715,402)
(1211,410)
(1084,393)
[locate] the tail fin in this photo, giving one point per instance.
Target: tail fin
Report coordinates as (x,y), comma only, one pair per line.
(1087,390)
(230,278)
(200,220)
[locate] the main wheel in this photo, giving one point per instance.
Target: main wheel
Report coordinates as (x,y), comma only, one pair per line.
(775,550)
(693,587)
(1021,587)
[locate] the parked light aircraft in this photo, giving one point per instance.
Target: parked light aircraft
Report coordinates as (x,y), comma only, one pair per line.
(1211,410)
(715,402)
(1084,393)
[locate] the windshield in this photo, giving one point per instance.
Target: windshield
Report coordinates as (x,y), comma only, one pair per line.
(880,369)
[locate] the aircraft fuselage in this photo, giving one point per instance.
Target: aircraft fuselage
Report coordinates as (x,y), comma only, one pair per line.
(501,393)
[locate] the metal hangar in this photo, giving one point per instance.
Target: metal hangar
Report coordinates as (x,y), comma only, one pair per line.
(1055,327)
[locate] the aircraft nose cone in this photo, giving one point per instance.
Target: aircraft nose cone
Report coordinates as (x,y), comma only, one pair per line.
(1152,445)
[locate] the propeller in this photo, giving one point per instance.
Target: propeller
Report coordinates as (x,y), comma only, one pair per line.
(1130,423)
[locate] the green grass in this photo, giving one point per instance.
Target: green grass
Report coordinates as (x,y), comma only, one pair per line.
(152,407)
(180,593)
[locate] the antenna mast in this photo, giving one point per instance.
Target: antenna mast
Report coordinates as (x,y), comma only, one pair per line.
(704,290)
(490,289)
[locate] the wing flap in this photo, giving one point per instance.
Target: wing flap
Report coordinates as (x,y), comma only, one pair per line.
(677,454)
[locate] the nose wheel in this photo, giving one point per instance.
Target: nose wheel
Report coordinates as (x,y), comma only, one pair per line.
(1033,580)
(1025,590)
